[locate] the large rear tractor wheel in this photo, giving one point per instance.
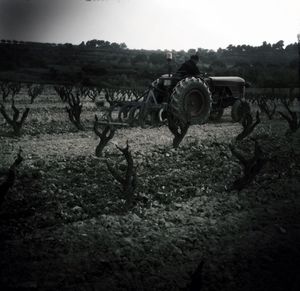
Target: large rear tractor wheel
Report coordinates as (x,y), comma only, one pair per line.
(191,101)
(239,109)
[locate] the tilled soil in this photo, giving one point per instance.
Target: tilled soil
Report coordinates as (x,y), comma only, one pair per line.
(64,225)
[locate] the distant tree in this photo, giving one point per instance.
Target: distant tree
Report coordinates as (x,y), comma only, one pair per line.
(68,45)
(114,45)
(265,44)
(106,44)
(278,45)
(220,51)
(92,43)
(230,48)
(292,48)
(123,45)
(95,43)
(265,47)
(192,51)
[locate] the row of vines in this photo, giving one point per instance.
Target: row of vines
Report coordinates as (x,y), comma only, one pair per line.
(106,100)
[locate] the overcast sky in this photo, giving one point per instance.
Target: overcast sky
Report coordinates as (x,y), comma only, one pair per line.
(152,24)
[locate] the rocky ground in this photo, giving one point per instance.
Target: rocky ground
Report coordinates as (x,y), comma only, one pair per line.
(64,225)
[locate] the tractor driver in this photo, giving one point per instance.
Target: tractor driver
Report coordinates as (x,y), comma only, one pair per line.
(188,68)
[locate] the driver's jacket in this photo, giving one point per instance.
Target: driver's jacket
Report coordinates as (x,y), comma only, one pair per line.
(188,68)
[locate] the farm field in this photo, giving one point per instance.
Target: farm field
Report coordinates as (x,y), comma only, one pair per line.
(64,224)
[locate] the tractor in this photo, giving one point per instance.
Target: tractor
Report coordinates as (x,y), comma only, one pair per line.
(196,99)
(191,99)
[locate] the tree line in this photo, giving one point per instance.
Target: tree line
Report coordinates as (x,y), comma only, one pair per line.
(112,64)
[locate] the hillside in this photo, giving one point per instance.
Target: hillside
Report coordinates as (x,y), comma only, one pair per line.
(104,64)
